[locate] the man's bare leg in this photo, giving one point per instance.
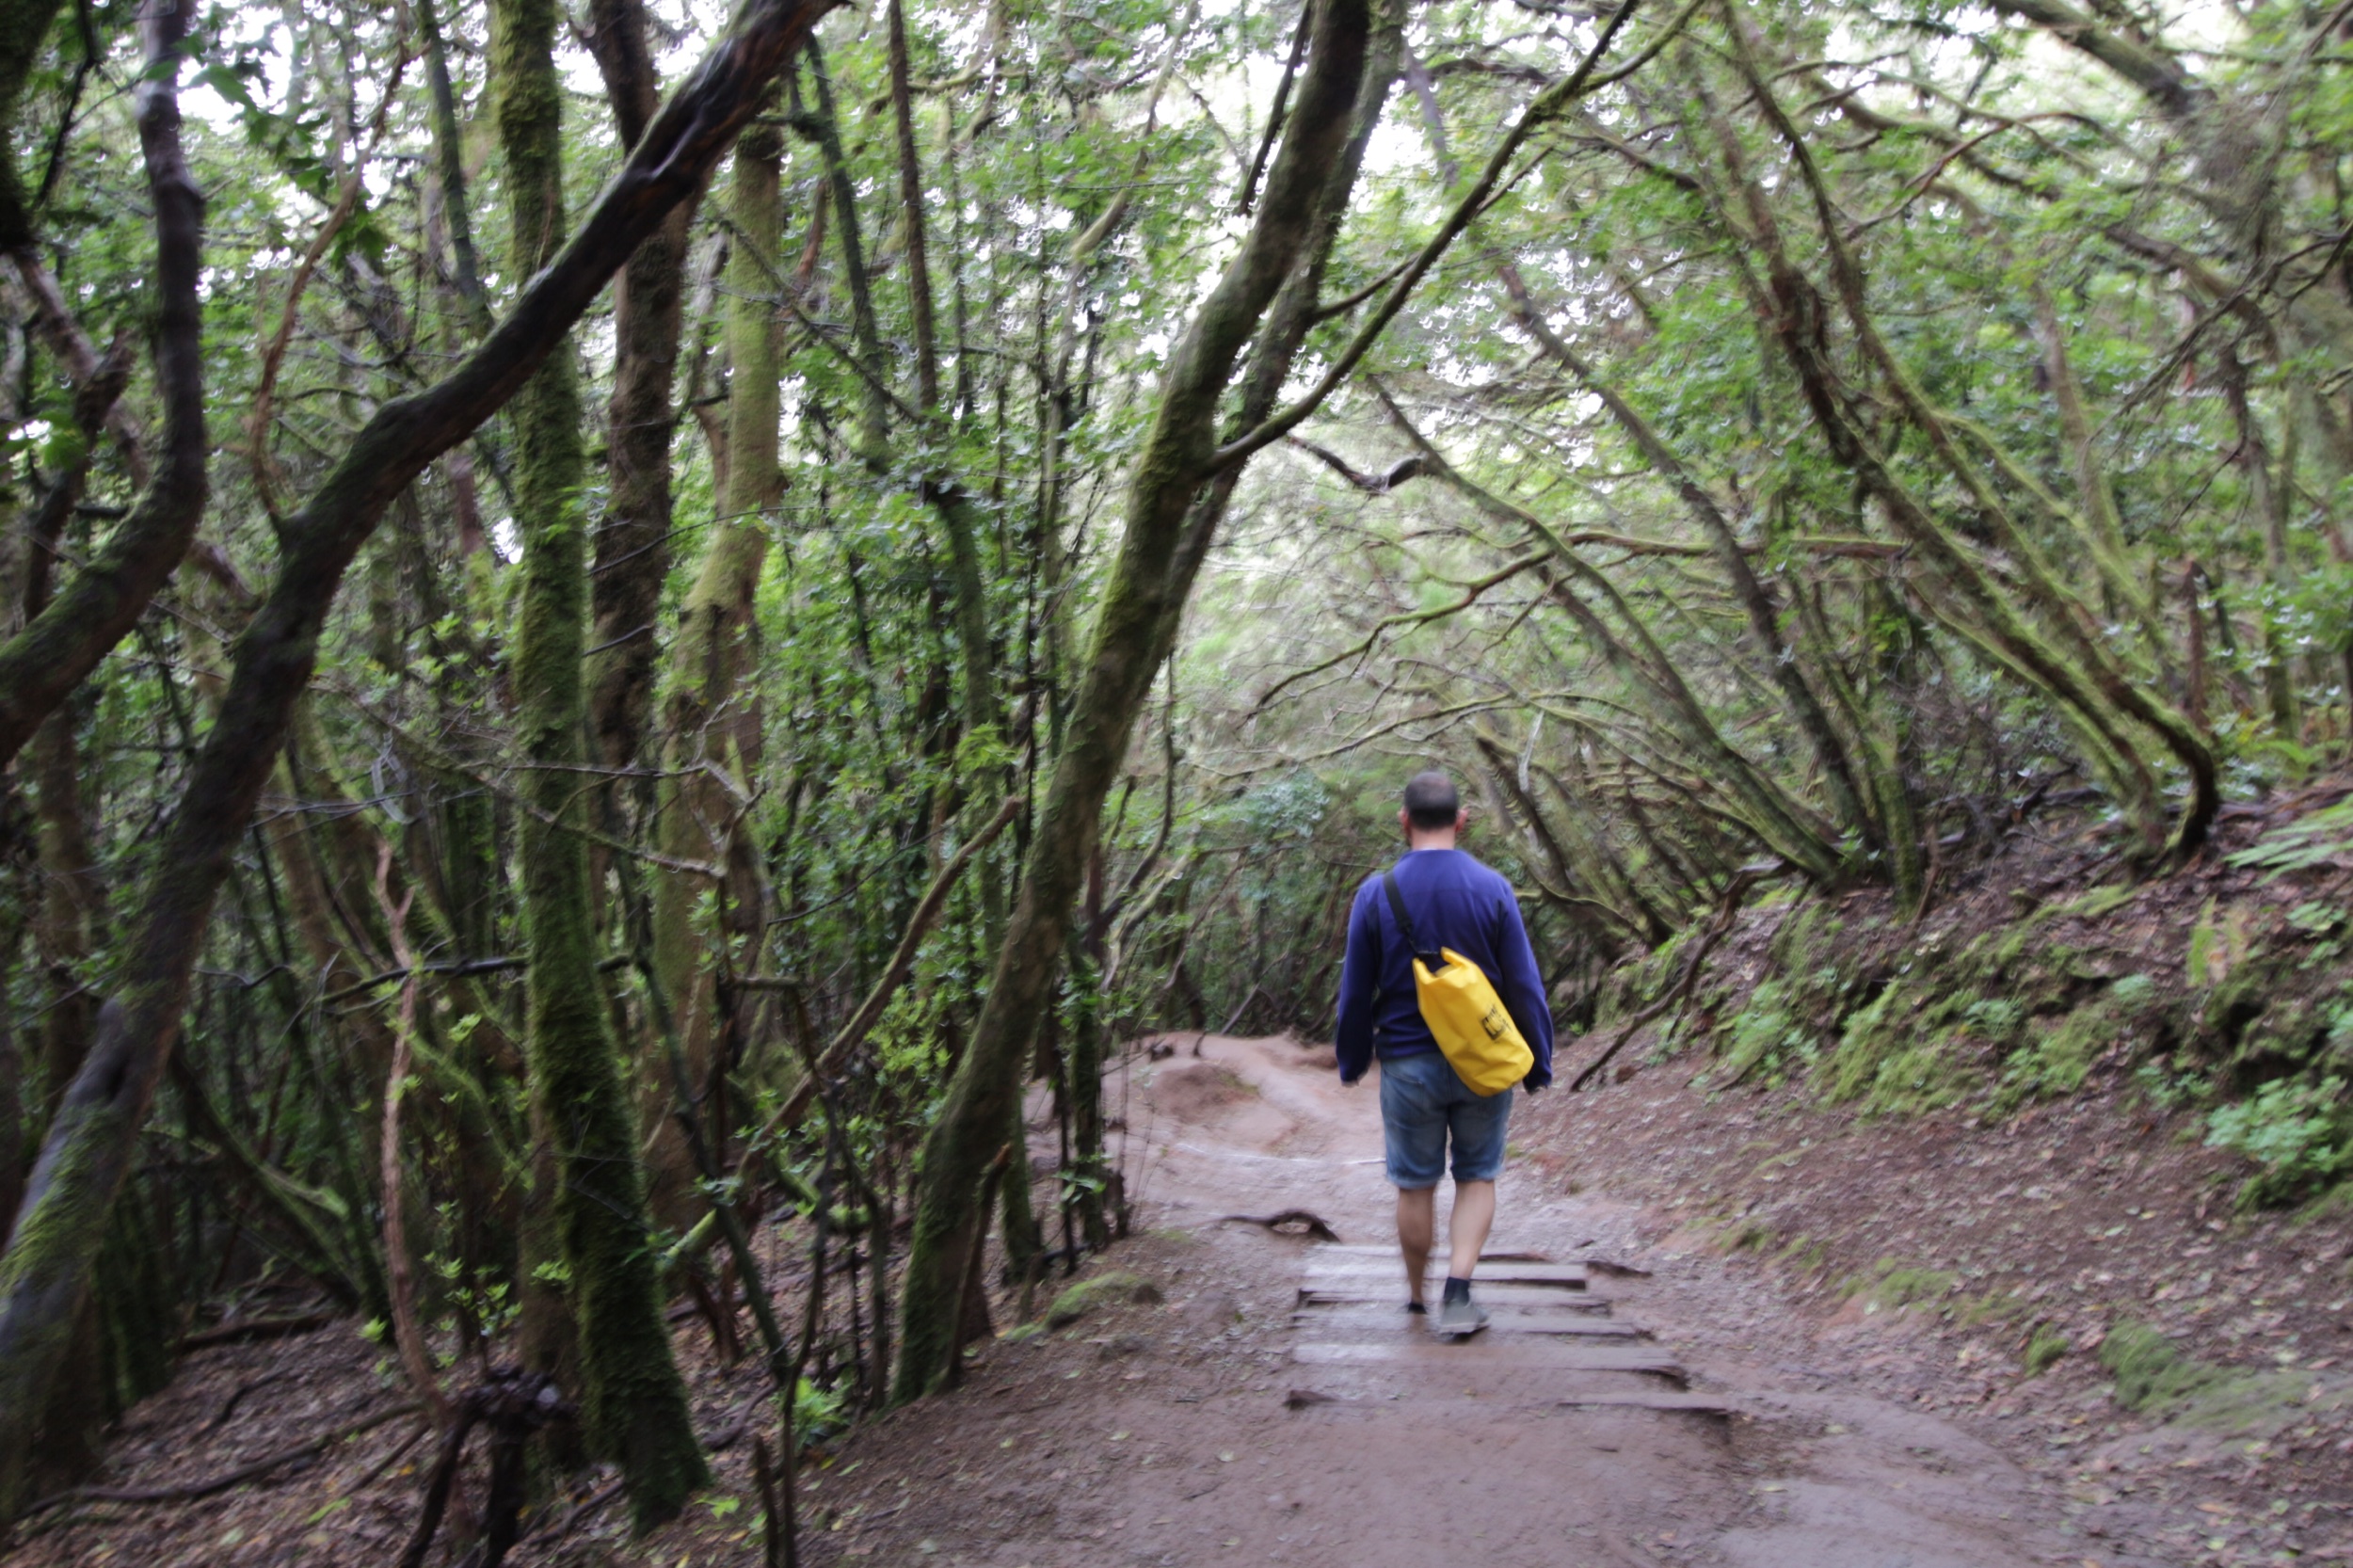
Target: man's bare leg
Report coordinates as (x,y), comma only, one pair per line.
(1466,1232)
(1417,1228)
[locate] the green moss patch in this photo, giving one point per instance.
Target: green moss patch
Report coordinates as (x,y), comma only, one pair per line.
(1892,1286)
(2044,1349)
(2152,1375)
(1093,1295)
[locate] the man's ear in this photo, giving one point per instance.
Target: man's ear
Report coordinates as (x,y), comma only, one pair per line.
(1462,820)
(1406,822)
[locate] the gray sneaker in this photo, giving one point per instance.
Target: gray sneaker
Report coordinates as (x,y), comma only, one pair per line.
(1461,1319)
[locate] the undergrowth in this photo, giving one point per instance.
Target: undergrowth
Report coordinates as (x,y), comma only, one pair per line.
(2247,1019)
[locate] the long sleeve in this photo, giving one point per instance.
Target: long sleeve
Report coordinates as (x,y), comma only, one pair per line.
(1522,986)
(1360,989)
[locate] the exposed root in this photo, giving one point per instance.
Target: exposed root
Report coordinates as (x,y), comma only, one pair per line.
(1307,1223)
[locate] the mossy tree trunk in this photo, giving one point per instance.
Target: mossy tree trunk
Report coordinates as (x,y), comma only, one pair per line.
(46,1271)
(1143,600)
(633,1400)
(632,542)
(44,1276)
(710,731)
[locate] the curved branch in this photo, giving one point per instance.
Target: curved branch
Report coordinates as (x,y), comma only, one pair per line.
(43,664)
(1410,618)
(1547,105)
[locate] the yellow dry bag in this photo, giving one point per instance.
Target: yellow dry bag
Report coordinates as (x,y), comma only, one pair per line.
(1459,1003)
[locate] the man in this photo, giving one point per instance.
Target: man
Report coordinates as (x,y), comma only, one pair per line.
(1452,902)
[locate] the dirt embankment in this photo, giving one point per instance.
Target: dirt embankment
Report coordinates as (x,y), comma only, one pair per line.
(1969,1159)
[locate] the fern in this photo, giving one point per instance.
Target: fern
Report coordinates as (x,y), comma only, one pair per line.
(2318,838)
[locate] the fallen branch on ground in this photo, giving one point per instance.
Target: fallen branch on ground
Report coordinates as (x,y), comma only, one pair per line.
(248,1329)
(237,1398)
(1313,1223)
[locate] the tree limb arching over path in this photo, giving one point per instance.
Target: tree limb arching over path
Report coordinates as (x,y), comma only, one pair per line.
(1175,500)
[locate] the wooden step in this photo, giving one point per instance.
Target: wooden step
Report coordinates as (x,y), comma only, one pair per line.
(1389,1307)
(1482,1354)
(1347,1291)
(1695,1405)
(1570,1275)
(1499,1255)
(1326,1321)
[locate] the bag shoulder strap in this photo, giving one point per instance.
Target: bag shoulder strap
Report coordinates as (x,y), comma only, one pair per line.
(1405,924)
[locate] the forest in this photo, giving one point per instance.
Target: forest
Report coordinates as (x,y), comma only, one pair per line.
(635,640)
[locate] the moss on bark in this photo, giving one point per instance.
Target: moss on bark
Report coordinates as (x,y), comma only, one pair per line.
(632,1401)
(1143,600)
(706,726)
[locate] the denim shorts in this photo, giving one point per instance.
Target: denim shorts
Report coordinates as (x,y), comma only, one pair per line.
(1424,1104)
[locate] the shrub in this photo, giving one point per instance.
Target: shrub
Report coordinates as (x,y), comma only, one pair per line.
(1890,1287)
(2293,1130)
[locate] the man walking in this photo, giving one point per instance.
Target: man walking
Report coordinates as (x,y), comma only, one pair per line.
(1451,901)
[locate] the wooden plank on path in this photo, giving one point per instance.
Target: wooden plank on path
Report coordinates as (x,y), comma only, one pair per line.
(1343,1320)
(1695,1404)
(1386,1306)
(1570,1275)
(1336,1292)
(1481,1353)
(1501,1255)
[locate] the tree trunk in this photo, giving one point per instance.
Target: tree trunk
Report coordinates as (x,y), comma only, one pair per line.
(633,1400)
(39,1347)
(872,439)
(23,30)
(11,1054)
(704,757)
(46,1271)
(2273,505)
(959,520)
(68,931)
(1141,602)
(633,553)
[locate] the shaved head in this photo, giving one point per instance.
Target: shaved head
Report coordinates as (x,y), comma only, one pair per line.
(1431,800)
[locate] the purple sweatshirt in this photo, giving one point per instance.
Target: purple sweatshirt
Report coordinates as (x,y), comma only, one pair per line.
(1454,902)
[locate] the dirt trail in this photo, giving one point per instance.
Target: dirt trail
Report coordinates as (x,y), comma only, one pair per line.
(1224,1395)
(1281,1407)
